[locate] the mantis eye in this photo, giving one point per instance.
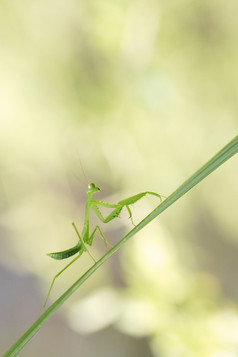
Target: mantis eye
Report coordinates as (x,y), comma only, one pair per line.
(93,188)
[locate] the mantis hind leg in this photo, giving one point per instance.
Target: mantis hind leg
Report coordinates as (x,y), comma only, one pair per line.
(57,275)
(80,252)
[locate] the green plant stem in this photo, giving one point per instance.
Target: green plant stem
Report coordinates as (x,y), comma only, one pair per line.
(228,151)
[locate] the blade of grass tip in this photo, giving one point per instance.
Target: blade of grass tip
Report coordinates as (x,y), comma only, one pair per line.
(223,155)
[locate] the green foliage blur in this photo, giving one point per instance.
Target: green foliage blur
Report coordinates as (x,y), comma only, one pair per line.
(134,96)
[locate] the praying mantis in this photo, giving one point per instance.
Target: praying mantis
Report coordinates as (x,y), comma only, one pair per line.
(85,237)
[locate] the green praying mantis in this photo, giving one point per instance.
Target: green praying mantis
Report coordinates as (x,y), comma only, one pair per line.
(85,237)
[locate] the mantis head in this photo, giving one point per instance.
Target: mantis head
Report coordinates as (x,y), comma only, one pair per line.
(92,188)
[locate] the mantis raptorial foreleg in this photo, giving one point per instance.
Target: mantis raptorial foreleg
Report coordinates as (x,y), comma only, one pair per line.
(85,238)
(119,206)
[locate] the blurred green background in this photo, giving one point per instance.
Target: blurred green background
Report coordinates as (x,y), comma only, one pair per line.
(138,95)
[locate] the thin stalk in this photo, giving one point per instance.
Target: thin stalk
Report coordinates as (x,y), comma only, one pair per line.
(227,152)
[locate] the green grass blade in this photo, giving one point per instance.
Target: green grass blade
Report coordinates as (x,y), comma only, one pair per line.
(227,152)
